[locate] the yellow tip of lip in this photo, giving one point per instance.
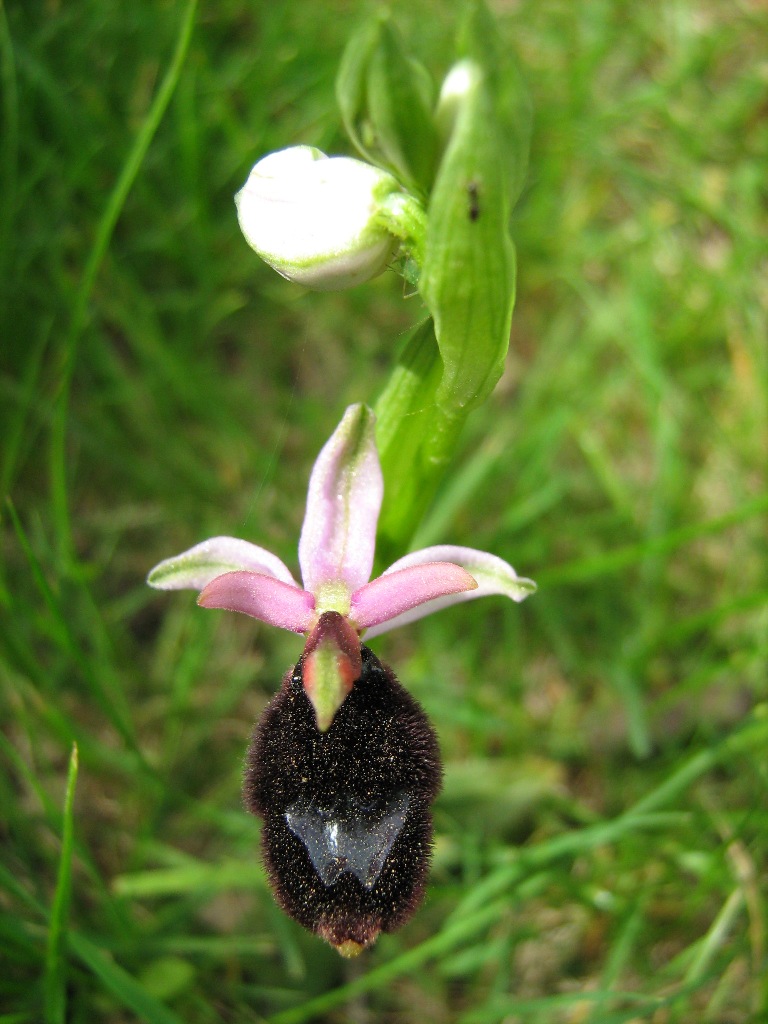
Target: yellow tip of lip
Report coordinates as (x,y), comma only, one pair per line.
(349,948)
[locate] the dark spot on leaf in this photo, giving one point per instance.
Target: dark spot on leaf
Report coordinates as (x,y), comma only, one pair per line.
(473,195)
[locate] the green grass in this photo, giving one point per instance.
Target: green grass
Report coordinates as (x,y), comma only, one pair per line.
(602,839)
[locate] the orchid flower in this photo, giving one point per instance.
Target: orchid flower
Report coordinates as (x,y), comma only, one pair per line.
(337,603)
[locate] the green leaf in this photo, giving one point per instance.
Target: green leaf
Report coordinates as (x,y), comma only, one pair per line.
(480,41)
(416,441)
(386,98)
(400,103)
(468,276)
(352,88)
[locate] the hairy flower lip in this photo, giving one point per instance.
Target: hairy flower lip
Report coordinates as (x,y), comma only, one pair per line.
(347,829)
(336,552)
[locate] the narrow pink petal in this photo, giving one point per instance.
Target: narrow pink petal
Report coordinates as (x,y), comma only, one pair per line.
(194,568)
(397,592)
(345,490)
(493,576)
(261,597)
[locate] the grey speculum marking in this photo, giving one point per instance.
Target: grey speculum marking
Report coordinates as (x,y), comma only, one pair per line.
(348,836)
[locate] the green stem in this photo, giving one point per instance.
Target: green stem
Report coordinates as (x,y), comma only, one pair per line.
(416,440)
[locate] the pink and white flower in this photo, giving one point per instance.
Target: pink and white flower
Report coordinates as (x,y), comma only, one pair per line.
(337,603)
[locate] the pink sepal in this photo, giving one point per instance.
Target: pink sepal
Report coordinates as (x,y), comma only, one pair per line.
(397,592)
(492,574)
(261,597)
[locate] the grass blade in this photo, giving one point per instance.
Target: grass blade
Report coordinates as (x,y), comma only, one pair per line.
(633,554)
(98,250)
(56,955)
(437,946)
(110,699)
(121,984)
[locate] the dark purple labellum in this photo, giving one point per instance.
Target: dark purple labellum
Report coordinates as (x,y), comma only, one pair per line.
(347,831)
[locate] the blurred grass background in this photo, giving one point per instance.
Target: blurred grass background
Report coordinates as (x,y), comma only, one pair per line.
(602,837)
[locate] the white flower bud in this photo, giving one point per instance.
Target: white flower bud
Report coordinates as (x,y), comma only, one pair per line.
(313,218)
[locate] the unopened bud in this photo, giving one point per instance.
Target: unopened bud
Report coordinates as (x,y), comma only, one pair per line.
(314,218)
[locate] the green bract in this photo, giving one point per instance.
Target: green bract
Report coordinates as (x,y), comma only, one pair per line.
(468,276)
(386,99)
